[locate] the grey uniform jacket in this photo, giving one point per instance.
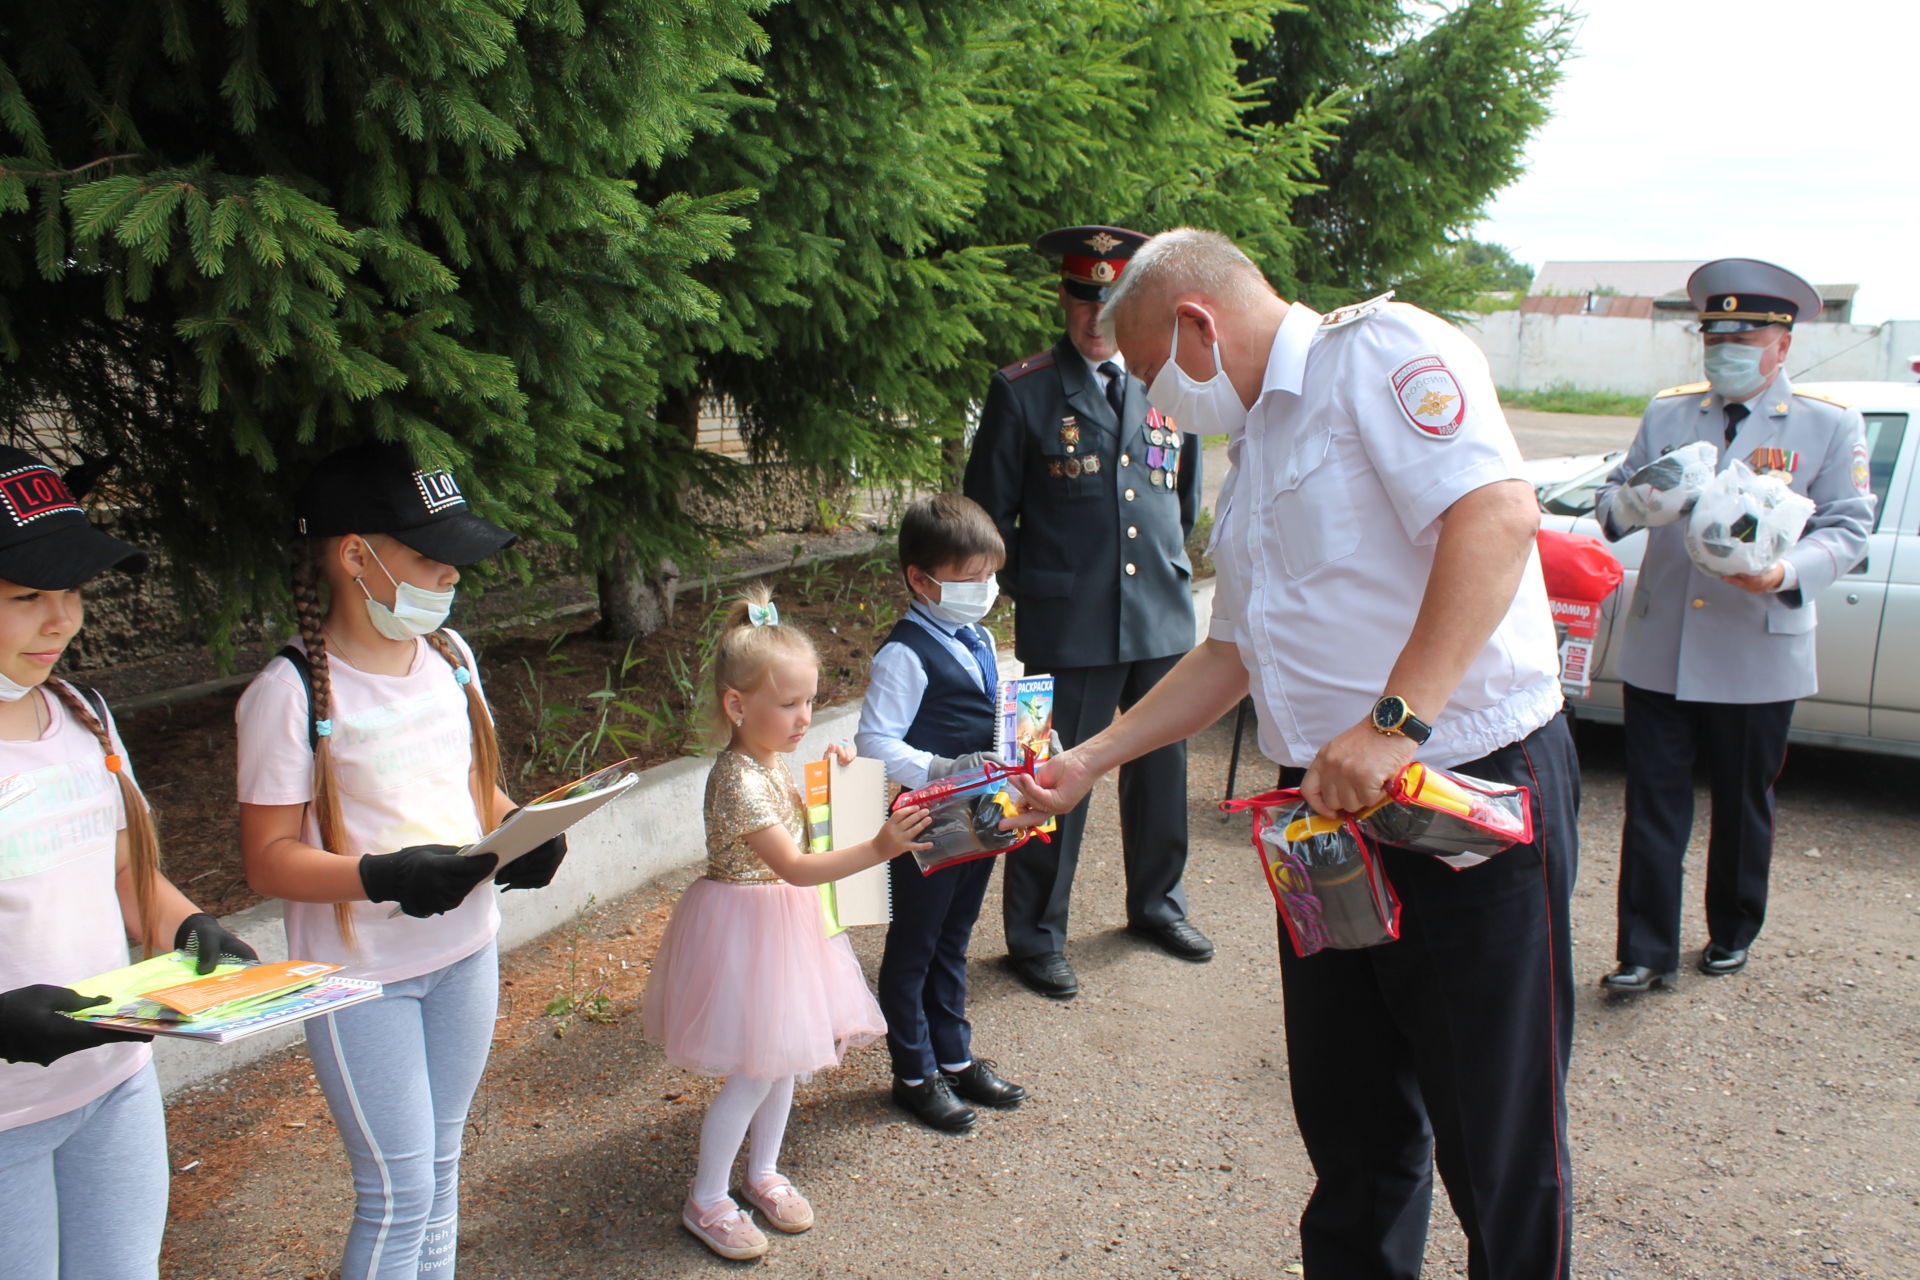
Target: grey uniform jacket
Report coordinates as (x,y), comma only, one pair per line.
(1690,634)
(1096,532)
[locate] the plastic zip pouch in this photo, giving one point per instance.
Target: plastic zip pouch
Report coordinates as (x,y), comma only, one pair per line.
(1460,820)
(967,808)
(1326,877)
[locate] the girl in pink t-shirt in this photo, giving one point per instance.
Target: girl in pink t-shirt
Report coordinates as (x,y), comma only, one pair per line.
(746,984)
(367,759)
(83,1149)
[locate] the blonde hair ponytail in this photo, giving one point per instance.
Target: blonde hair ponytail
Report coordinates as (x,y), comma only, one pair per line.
(143,843)
(752,639)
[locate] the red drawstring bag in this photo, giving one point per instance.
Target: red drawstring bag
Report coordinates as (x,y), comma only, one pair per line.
(1580,573)
(1325,875)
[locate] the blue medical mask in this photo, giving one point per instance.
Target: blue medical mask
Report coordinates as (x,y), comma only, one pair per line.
(416,611)
(1206,408)
(1734,369)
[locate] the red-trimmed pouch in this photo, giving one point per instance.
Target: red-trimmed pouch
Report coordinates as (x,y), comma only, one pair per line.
(1326,877)
(1460,820)
(967,808)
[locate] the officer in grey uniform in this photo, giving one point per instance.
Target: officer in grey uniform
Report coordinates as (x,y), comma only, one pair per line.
(1712,666)
(1095,493)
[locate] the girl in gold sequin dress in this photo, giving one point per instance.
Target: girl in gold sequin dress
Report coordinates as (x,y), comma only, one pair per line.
(746,984)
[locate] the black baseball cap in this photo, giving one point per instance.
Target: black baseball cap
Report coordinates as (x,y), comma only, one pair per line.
(46,541)
(378,488)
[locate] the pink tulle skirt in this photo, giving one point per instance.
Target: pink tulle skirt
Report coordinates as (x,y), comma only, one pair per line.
(746,982)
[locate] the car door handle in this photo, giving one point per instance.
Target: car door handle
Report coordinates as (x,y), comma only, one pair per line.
(1853,597)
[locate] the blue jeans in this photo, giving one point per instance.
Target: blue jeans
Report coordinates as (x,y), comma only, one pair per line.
(398,1074)
(83,1196)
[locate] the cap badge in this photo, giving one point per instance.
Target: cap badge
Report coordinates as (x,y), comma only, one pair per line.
(1100,242)
(1103,271)
(437,489)
(1729,303)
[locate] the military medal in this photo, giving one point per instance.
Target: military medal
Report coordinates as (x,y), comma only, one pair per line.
(1156,456)
(1069,432)
(1158,477)
(1053,467)
(1072,466)
(1091,464)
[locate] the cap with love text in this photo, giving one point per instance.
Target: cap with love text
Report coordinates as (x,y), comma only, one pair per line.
(46,541)
(378,488)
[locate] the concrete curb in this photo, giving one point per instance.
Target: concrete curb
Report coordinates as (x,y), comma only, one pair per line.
(654,830)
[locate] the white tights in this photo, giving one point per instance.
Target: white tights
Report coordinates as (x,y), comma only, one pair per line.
(746,1106)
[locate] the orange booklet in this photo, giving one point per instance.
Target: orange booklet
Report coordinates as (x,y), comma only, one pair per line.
(189,999)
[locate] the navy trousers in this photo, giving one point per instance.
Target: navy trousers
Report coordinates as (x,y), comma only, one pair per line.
(1447,1048)
(1746,746)
(923,971)
(1153,818)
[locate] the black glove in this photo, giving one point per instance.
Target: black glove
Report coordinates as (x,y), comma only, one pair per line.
(425,879)
(201,937)
(34,1026)
(534,869)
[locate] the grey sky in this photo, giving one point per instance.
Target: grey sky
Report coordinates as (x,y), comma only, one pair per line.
(1780,129)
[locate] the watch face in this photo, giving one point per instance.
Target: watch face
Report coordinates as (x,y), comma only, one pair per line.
(1389,712)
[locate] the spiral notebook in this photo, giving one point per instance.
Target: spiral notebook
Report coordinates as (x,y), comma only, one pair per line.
(845,805)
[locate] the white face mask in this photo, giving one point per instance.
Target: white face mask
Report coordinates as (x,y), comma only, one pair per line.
(1733,369)
(964,603)
(11,692)
(415,612)
(1206,408)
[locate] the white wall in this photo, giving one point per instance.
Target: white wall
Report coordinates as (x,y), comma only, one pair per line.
(1598,353)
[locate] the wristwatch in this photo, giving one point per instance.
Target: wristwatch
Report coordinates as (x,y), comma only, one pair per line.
(1392,715)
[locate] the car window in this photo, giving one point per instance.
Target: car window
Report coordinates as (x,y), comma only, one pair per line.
(1576,497)
(1885,432)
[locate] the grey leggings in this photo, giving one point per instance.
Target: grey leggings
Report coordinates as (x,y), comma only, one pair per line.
(398,1074)
(83,1195)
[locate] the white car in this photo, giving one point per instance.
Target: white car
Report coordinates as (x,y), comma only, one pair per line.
(1869,696)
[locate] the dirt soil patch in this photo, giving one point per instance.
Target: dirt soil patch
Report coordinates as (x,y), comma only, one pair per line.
(564,699)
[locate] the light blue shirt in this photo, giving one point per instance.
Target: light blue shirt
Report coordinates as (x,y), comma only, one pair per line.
(894,688)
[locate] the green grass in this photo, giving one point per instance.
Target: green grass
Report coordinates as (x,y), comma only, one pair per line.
(1562,397)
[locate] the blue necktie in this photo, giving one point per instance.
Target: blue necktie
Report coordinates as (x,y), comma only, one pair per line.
(983,655)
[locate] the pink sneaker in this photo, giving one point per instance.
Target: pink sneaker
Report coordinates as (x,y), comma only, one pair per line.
(725,1230)
(784,1208)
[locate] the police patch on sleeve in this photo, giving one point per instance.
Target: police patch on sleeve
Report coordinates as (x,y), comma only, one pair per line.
(1430,396)
(1862,472)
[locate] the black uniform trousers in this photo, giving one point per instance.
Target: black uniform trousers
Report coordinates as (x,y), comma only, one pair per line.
(923,972)
(1447,1047)
(1153,817)
(1746,746)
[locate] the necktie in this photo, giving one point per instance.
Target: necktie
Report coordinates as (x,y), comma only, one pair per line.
(983,655)
(1736,414)
(1116,386)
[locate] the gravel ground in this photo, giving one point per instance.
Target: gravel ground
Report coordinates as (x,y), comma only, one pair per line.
(1755,1126)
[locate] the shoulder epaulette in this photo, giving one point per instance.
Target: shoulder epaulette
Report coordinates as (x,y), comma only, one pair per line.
(1354,311)
(1021,368)
(1815,395)
(1684,389)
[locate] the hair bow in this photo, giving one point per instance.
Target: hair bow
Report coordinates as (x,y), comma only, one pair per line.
(763,615)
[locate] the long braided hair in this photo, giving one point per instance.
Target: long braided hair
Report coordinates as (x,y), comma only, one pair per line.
(143,843)
(310,610)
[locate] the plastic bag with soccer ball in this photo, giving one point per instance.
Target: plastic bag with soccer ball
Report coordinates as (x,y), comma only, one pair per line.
(1744,523)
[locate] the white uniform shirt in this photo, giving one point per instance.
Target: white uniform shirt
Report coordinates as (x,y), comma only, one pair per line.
(895,686)
(1366,430)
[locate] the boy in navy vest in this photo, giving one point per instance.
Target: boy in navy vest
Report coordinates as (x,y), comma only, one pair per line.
(929,712)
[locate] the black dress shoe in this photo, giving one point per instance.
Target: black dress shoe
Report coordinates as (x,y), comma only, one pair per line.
(1721,961)
(932,1103)
(982,1084)
(1050,975)
(1631,979)
(1178,939)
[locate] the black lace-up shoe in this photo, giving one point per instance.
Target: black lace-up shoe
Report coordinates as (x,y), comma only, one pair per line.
(982,1084)
(932,1103)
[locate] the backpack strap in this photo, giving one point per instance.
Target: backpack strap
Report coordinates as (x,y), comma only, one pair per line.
(304,666)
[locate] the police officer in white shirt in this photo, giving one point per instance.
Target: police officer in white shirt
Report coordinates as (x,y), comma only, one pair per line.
(1380,597)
